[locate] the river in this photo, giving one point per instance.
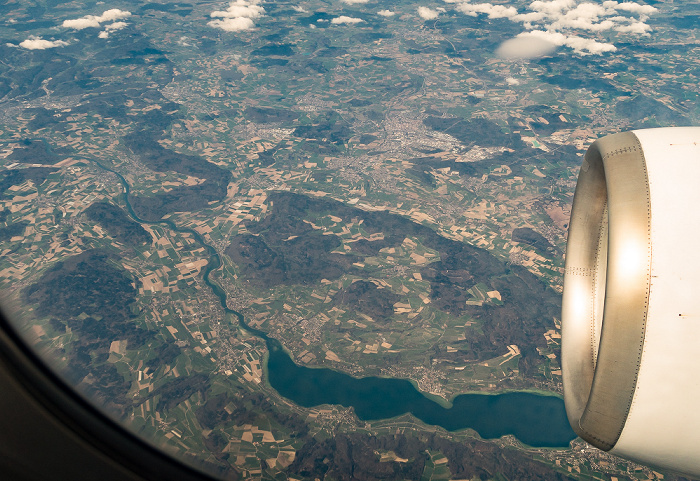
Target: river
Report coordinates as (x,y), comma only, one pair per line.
(536,420)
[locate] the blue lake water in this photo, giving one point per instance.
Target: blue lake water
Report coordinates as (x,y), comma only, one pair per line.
(534,419)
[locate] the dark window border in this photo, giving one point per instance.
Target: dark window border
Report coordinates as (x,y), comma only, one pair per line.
(49,431)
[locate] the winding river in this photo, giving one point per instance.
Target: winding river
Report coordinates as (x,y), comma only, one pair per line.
(536,420)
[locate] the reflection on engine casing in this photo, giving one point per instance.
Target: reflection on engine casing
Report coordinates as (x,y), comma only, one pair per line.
(631,308)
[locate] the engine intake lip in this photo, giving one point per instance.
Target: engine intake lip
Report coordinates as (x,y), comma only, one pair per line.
(606,288)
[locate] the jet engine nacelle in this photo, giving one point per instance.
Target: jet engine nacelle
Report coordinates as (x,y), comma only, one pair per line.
(631,308)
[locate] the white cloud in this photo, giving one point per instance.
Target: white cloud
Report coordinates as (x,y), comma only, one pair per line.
(240,9)
(580,45)
(553,7)
(386,13)
(233,24)
(299,9)
(561,22)
(427,13)
(238,16)
(525,46)
(354,2)
(493,11)
(96,20)
(632,7)
(588,45)
(116,26)
(38,43)
(112,27)
(81,23)
(512,81)
(527,19)
(114,14)
(640,28)
(585,16)
(345,20)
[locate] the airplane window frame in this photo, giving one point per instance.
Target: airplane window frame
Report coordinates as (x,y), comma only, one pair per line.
(41,406)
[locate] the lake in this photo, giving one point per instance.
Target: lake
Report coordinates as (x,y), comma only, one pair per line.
(536,420)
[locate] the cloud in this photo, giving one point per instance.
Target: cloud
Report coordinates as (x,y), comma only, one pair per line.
(116,26)
(587,15)
(238,16)
(632,7)
(114,14)
(96,20)
(354,2)
(640,28)
(493,11)
(38,43)
(240,9)
(580,45)
(237,24)
(551,7)
(526,46)
(112,27)
(81,23)
(512,81)
(562,22)
(299,9)
(345,20)
(427,13)
(386,13)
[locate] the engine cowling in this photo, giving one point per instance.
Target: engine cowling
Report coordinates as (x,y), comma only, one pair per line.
(631,307)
